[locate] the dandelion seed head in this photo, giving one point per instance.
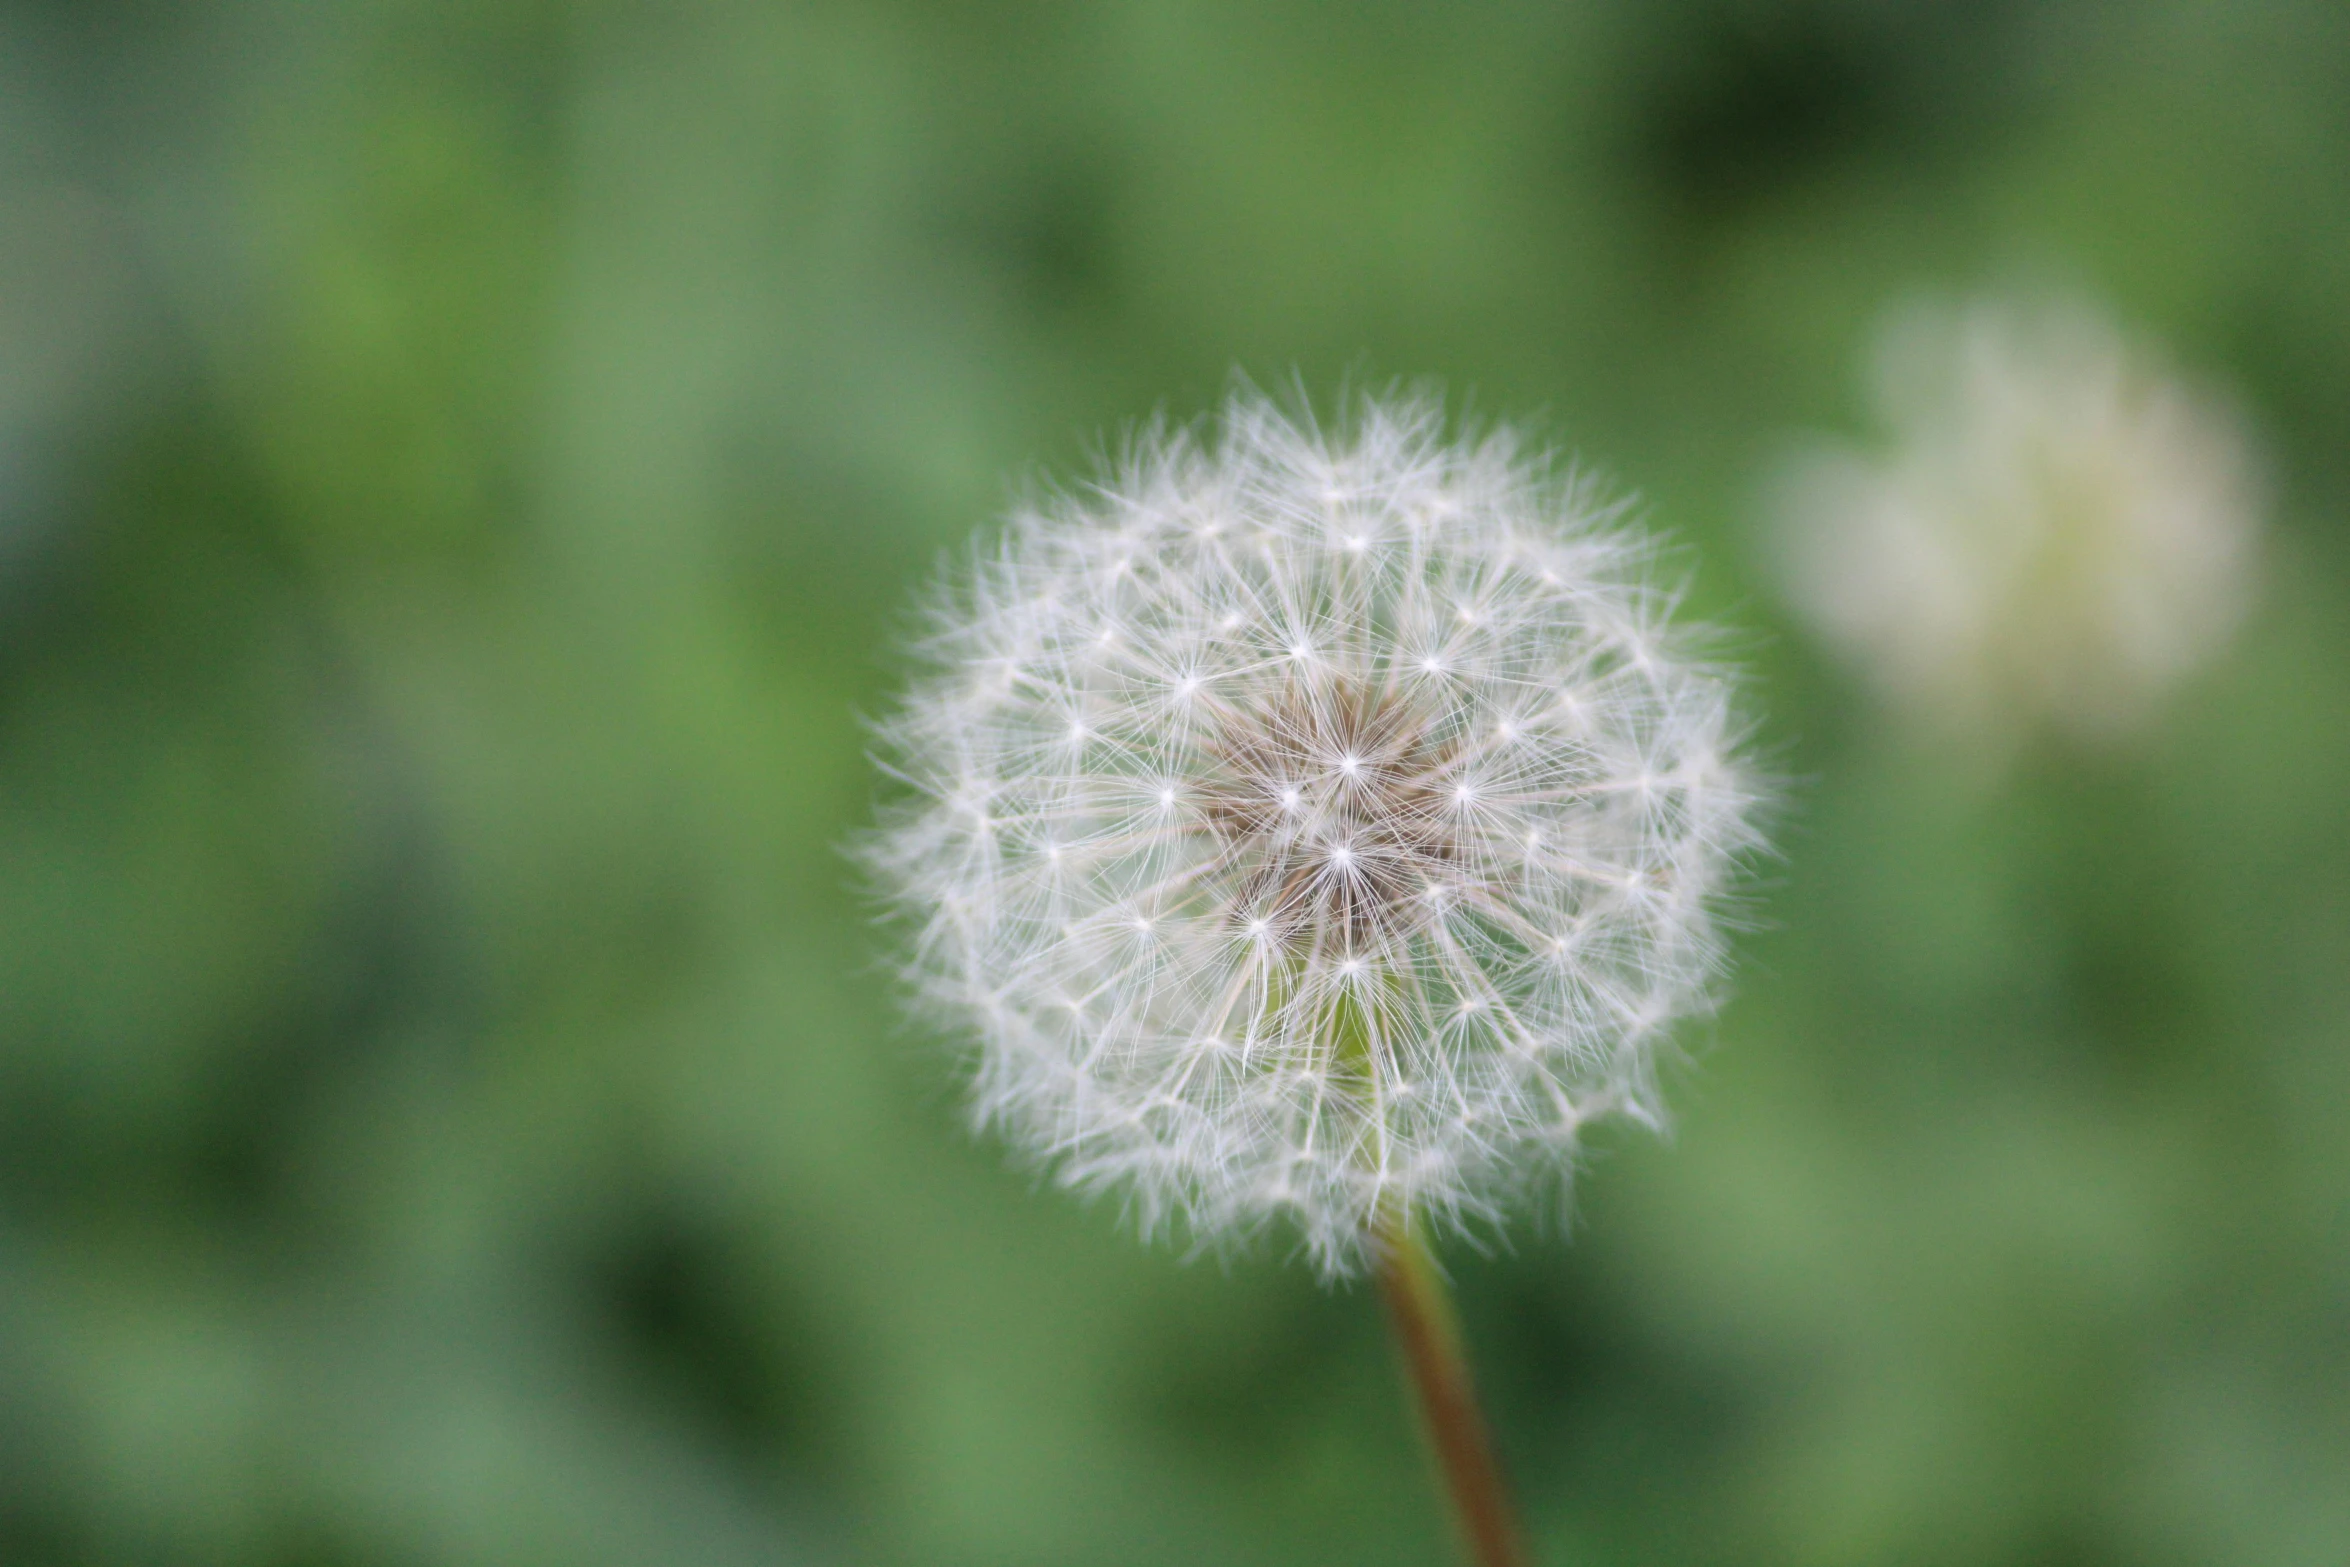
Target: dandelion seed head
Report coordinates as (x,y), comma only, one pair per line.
(2057,530)
(1288,953)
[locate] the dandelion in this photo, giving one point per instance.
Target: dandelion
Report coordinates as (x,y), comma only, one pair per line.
(1316,830)
(2059,531)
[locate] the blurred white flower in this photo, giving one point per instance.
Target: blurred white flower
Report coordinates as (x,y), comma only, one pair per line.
(1312,827)
(2057,531)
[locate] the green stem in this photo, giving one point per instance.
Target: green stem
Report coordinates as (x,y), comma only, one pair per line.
(1428,1335)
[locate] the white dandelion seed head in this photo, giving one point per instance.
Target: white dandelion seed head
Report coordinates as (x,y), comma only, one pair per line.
(2056,532)
(1366,862)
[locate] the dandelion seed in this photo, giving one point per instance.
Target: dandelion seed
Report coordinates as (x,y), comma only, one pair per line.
(1363,882)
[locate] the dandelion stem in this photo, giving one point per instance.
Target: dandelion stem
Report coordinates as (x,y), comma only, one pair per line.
(1428,1336)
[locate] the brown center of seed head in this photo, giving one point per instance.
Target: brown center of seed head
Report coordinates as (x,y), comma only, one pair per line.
(1330,806)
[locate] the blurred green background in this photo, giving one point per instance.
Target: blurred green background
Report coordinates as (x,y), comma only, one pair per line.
(461,468)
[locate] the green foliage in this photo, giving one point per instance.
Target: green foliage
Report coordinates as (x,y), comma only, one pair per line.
(460,468)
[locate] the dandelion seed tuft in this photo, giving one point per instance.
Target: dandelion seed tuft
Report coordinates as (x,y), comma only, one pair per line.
(1353,826)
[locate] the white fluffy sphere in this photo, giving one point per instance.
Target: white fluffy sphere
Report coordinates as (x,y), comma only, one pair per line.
(1312,827)
(2058,531)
